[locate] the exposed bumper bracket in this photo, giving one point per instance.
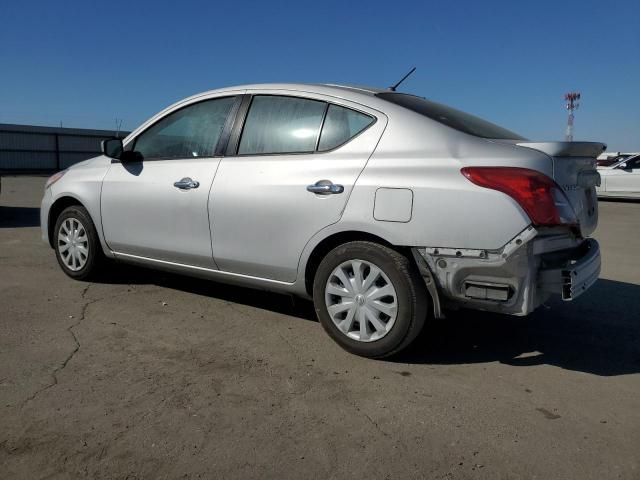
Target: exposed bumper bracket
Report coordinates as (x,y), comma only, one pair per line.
(574,279)
(429,281)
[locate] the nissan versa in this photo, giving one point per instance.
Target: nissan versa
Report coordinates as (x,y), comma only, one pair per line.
(383,207)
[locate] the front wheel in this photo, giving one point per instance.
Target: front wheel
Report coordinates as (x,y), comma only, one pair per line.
(76,243)
(370,299)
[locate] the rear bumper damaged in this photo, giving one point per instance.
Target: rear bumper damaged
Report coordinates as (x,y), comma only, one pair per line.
(574,277)
(515,279)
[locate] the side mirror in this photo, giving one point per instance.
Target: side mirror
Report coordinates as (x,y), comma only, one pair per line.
(112,147)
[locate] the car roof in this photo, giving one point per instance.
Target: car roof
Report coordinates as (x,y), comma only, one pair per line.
(358,94)
(313,86)
(348,92)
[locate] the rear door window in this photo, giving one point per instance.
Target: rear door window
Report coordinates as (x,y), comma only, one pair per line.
(280,124)
(341,124)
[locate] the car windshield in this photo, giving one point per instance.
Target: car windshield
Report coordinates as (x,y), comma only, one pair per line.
(626,159)
(450,117)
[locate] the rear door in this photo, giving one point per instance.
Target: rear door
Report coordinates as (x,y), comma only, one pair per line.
(290,173)
(157,207)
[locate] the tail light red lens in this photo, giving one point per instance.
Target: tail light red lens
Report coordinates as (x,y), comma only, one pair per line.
(538,195)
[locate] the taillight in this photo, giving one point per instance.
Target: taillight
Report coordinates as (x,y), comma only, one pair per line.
(538,195)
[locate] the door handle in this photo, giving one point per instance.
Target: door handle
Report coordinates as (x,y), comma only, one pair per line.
(186,184)
(325,187)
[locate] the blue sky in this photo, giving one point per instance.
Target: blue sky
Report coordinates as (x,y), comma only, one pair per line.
(86,63)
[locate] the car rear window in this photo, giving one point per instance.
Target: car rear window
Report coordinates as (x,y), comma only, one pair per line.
(450,117)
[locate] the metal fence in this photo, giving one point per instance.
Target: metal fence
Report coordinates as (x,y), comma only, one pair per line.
(26,148)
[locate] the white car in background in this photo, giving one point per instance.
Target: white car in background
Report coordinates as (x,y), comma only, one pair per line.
(621,180)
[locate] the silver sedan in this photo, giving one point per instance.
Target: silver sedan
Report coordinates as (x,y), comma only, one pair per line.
(384,208)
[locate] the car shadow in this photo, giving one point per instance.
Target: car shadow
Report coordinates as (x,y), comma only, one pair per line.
(598,333)
(18,217)
(274,302)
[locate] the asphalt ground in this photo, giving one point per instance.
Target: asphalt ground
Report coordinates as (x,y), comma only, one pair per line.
(152,375)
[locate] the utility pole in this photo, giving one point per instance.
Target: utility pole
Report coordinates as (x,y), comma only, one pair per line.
(572,103)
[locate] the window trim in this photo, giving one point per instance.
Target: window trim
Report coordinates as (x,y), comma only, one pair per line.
(324,118)
(238,128)
(219,149)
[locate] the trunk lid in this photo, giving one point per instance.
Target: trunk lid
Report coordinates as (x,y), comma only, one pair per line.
(574,169)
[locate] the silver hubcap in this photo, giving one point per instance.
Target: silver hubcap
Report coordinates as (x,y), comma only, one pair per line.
(73,244)
(361,300)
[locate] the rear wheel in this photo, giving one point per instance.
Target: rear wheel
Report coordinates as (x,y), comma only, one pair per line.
(76,243)
(370,299)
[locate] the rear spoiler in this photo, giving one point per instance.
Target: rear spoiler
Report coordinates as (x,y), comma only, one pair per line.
(567,149)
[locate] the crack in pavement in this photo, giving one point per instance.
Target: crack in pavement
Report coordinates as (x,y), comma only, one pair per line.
(62,366)
(366,415)
(81,318)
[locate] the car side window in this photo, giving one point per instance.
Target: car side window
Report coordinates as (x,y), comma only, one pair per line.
(191,132)
(279,124)
(340,125)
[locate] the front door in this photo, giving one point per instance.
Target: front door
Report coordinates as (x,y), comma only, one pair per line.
(296,163)
(157,207)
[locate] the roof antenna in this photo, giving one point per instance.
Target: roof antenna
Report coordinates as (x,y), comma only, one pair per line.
(393,88)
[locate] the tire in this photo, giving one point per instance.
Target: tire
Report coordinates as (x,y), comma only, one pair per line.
(83,254)
(393,317)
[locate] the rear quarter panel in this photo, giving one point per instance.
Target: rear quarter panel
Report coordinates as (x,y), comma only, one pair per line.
(448,210)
